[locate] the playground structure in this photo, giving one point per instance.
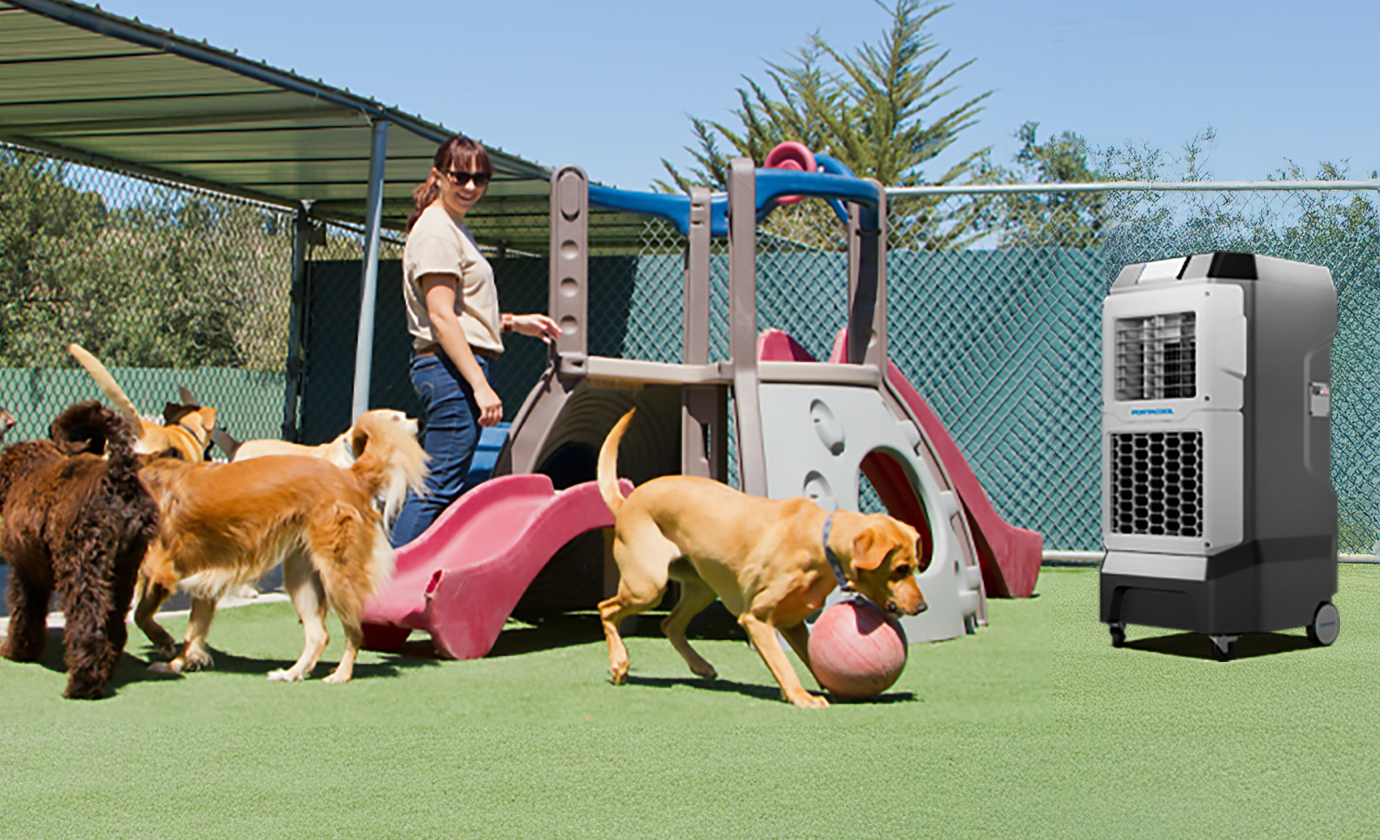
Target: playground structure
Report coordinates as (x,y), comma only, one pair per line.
(829,423)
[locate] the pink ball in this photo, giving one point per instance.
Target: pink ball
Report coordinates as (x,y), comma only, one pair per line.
(856,651)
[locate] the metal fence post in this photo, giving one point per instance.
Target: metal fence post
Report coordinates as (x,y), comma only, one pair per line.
(364,348)
(297,313)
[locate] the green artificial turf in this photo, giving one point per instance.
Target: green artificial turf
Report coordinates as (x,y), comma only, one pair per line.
(1033,727)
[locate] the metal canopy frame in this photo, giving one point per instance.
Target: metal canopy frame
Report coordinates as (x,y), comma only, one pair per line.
(92,88)
(84,85)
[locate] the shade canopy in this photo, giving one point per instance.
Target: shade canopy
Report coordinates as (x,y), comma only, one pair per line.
(90,87)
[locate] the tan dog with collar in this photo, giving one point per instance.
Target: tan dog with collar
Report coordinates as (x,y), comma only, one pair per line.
(765,559)
(343,452)
(186,429)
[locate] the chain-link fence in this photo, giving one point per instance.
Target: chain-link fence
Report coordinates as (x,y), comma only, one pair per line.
(169,287)
(994,312)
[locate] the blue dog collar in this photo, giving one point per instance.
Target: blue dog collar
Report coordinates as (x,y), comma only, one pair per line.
(833,558)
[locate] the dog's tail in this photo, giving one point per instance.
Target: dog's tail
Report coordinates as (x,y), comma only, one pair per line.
(107,384)
(390,461)
(92,427)
(608,463)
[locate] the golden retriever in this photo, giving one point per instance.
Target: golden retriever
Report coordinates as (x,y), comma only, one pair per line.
(769,561)
(186,429)
(225,525)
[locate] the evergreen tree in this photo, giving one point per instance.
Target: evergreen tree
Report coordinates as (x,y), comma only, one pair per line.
(869,109)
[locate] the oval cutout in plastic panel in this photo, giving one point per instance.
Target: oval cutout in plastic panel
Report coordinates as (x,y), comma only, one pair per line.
(828,427)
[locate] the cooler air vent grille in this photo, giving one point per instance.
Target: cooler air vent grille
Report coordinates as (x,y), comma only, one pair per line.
(1155,357)
(1157,484)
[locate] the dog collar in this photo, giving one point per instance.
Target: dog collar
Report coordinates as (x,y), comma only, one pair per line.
(833,558)
(196,436)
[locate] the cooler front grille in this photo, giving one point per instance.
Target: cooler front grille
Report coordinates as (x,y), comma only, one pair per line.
(1157,484)
(1155,357)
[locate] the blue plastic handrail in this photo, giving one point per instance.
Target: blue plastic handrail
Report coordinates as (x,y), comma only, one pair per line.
(836,185)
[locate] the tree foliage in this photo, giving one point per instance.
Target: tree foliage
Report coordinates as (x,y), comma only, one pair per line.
(1043,219)
(168,279)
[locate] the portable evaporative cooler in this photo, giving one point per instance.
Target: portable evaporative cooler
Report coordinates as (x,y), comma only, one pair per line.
(1218,510)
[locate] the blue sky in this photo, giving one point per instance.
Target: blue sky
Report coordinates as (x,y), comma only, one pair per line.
(608,84)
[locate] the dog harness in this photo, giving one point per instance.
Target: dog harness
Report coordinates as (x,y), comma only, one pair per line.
(833,558)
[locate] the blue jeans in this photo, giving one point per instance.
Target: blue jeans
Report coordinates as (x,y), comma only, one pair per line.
(451,438)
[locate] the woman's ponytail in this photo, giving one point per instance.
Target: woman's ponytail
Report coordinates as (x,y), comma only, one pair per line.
(422,196)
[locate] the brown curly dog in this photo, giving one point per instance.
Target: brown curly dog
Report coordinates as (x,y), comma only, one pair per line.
(77,523)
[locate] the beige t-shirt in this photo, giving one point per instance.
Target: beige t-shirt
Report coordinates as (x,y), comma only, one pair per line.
(437,245)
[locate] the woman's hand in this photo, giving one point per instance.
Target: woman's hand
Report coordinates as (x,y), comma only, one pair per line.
(536,325)
(490,406)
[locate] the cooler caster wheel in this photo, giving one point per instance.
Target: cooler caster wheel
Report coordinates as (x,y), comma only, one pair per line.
(1223,648)
(1118,635)
(1323,630)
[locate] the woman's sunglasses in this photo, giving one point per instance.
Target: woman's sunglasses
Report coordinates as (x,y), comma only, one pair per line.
(458,178)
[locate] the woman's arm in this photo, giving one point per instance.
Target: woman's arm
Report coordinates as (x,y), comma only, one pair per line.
(439,292)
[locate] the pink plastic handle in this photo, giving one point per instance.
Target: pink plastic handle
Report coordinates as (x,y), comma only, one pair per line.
(793,156)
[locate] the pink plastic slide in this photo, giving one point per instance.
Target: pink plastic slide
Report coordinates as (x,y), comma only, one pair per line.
(1008,556)
(461,578)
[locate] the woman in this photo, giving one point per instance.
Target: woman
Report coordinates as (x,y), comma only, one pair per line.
(456,326)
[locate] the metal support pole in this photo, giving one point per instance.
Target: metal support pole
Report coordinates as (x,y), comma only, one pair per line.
(297,316)
(364,348)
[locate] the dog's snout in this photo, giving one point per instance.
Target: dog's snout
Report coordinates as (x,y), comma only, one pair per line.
(895,610)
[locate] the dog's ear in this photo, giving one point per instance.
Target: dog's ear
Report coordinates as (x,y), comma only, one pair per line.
(174,412)
(359,439)
(870,548)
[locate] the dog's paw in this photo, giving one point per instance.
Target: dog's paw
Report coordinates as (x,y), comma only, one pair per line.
(191,661)
(337,678)
(806,700)
(164,645)
(84,690)
(704,670)
(18,654)
(163,669)
(282,675)
(618,668)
